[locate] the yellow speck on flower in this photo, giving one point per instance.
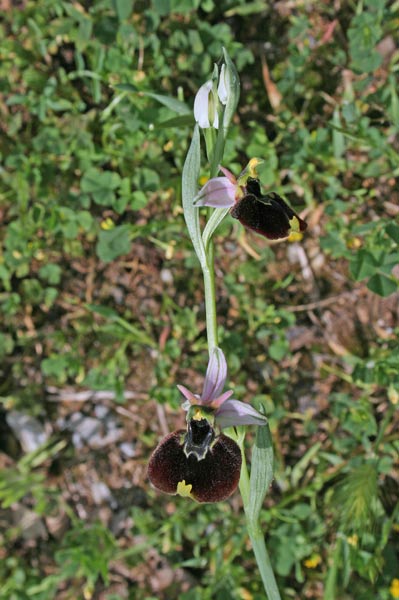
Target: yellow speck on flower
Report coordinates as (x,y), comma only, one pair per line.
(295,236)
(294,224)
(353,540)
(107,224)
(184,489)
(197,416)
(249,171)
(253,163)
(394,588)
(313,561)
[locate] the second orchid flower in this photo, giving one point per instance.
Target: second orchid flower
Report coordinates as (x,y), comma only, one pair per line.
(268,215)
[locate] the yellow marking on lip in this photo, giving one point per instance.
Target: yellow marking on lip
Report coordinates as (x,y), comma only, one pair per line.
(295,236)
(197,416)
(184,489)
(294,224)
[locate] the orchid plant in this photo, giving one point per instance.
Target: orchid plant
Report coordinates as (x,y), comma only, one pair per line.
(201,462)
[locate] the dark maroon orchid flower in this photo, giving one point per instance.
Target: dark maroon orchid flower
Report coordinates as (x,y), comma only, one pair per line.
(269,215)
(198,462)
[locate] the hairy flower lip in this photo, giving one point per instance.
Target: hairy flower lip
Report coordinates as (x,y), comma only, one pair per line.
(211,479)
(268,215)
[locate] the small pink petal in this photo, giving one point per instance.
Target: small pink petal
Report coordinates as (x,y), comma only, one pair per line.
(192,398)
(215,377)
(217,402)
(218,192)
(232,178)
(233,412)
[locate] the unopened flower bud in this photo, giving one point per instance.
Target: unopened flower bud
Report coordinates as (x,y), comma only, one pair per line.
(206,106)
(229,88)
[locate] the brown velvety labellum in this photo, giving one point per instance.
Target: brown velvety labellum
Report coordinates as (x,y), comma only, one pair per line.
(267,215)
(213,478)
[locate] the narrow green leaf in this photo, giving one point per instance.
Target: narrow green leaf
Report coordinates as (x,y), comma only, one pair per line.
(109,109)
(261,471)
(394,108)
(176,105)
(300,467)
(338,137)
(332,574)
(346,563)
(181,121)
(214,221)
(126,87)
(104,311)
(189,191)
(250,8)
(111,315)
(347,133)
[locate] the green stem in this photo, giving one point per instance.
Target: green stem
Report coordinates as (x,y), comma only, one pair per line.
(208,272)
(384,424)
(218,150)
(215,148)
(330,585)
